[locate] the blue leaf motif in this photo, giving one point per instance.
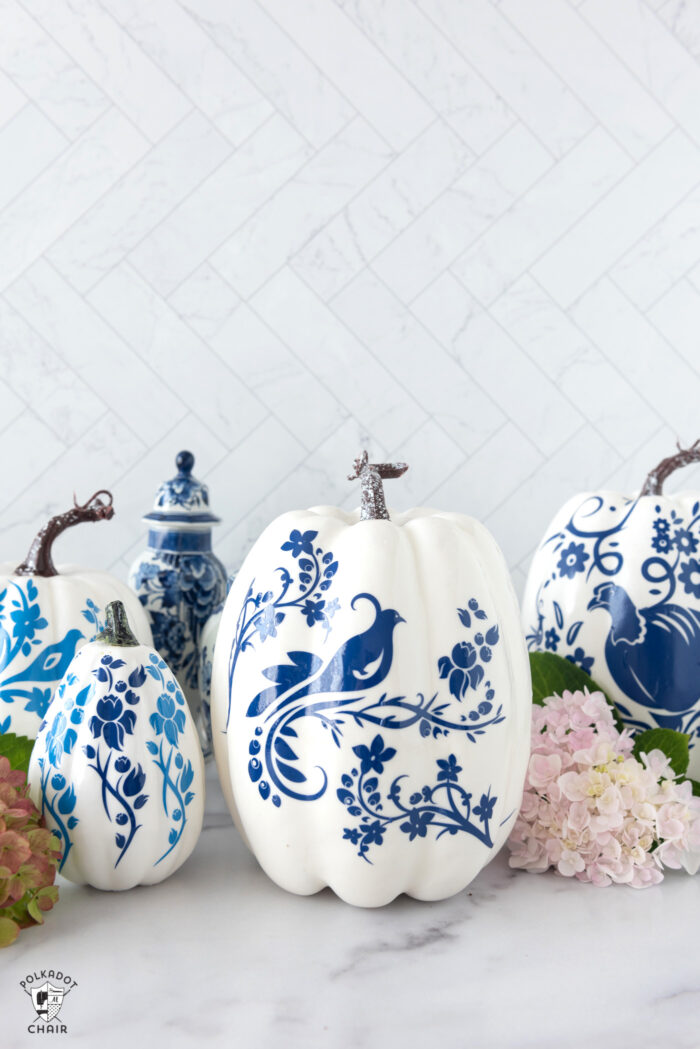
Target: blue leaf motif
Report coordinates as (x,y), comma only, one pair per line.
(150,746)
(137,677)
(141,801)
(345,796)
(66,803)
(492,635)
(289,772)
(284,750)
(120,840)
(187,776)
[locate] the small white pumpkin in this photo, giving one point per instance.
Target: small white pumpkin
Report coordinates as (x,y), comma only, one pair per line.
(615,588)
(117,768)
(371,700)
(47,613)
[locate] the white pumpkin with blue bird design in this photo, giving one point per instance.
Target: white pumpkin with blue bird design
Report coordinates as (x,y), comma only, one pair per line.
(615,588)
(371,699)
(47,613)
(117,769)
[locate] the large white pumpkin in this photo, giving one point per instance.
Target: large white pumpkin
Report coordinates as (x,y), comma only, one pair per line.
(47,613)
(615,588)
(371,700)
(117,769)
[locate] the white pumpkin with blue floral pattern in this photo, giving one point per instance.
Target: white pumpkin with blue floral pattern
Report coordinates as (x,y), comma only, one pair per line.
(614,587)
(117,769)
(47,613)
(371,700)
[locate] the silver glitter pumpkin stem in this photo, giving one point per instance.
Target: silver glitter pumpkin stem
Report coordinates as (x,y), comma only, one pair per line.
(371,475)
(654,483)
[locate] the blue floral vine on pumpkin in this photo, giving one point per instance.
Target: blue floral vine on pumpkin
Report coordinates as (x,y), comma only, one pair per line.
(445,806)
(263,612)
(273,761)
(57,798)
(22,623)
(168,723)
(122,781)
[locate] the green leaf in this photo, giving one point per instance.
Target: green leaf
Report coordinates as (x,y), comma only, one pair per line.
(552,675)
(673,744)
(695,785)
(9,931)
(34,911)
(18,749)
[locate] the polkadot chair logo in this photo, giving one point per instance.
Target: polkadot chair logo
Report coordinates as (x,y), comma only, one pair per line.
(47,990)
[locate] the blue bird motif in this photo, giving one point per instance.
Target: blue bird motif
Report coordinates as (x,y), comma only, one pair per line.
(50,663)
(360,663)
(652,653)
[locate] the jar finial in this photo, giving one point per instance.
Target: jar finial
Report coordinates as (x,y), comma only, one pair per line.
(185,462)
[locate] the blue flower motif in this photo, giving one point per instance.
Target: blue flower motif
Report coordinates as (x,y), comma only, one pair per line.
(661,526)
(28,620)
(417,824)
(374,757)
(314,611)
(351,834)
(662,543)
(59,739)
(168,720)
(300,544)
(572,560)
(689,576)
(267,621)
(449,769)
(39,701)
(551,640)
(685,541)
(580,659)
(484,810)
(111,721)
(373,834)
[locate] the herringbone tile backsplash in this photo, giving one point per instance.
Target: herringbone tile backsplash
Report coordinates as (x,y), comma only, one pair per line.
(464,233)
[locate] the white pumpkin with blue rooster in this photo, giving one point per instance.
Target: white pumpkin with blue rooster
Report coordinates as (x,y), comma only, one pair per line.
(47,613)
(615,588)
(371,699)
(117,769)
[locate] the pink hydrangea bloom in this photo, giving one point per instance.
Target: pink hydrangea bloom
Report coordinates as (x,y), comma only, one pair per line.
(591,810)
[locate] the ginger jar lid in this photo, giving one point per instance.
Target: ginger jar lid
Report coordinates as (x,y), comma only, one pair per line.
(183,501)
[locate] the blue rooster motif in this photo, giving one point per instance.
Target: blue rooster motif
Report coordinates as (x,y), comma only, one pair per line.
(653,654)
(361,662)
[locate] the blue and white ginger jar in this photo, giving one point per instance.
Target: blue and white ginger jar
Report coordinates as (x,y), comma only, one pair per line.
(180,581)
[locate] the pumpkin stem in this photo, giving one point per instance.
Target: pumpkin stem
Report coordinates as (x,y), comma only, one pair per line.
(656,477)
(117,630)
(373,506)
(39,560)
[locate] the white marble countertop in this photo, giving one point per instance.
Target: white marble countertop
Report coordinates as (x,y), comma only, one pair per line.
(218,955)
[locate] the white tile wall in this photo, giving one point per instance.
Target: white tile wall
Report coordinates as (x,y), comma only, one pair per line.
(467,234)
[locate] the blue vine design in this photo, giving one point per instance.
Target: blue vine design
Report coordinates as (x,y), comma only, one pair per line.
(22,624)
(168,723)
(262,613)
(445,807)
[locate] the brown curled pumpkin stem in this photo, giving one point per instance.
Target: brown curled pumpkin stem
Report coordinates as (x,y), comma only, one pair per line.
(117,630)
(683,457)
(371,475)
(39,560)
